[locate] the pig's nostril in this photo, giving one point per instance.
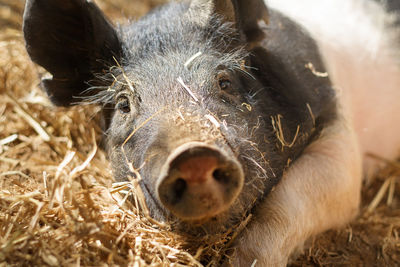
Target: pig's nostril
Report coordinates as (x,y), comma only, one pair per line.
(221,176)
(179,188)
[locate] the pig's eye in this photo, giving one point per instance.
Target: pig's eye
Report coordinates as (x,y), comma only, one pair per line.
(224,84)
(123,105)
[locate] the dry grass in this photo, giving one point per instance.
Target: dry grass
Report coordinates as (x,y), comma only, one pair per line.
(60,206)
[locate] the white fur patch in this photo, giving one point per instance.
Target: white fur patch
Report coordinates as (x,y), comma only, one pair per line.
(345,23)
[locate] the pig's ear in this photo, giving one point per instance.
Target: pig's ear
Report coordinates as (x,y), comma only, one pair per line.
(244,14)
(72,40)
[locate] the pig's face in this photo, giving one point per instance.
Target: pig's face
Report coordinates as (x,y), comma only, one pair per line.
(193,121)
(196,107)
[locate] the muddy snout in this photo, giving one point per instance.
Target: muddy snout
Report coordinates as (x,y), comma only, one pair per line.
(199,181)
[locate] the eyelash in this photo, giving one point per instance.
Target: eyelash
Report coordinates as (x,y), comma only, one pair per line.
(123,104)
(223,81)
(224,84)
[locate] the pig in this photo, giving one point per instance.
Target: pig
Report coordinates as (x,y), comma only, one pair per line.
(226,108)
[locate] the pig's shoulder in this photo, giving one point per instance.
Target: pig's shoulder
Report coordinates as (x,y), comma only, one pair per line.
(289,63)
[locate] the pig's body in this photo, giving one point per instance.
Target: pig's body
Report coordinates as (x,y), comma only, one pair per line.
(359,42)
(211,137)
(360,48)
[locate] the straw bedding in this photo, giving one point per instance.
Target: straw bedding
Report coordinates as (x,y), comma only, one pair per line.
(60,206)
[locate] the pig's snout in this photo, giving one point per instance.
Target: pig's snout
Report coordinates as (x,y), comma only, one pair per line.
(199,181)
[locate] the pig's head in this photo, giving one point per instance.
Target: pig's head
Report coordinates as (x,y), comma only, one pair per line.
(194,107)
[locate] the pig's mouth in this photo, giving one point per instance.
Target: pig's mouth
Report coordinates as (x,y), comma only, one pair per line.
(199,181)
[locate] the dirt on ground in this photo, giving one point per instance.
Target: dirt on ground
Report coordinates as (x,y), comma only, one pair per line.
(60,206)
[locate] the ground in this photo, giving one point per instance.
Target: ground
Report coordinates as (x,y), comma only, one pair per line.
(60,206)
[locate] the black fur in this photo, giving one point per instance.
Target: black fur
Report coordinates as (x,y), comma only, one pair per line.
(72,40)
